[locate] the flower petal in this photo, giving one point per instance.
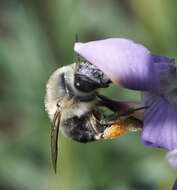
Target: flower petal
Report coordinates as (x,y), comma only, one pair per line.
(162,59)
(172,158)
(166,73)
(170,88)
(126,63)
(159,123)
(175,186)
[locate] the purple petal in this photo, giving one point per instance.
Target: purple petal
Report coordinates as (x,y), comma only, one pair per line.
(169,85)
(126,63)
(162,59)
(159,123)
(175,186)
(166,73)
(172,158)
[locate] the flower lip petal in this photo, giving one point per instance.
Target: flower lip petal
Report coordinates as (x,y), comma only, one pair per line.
(126,63)
(159,124)
(175,186)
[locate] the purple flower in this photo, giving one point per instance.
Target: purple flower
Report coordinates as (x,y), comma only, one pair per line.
(175,186)
(160,120)
(132,66)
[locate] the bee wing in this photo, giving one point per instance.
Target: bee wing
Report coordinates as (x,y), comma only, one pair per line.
(54,139)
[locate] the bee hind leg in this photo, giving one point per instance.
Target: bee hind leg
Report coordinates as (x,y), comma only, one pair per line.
(115,124)
(105,128)
(120,126)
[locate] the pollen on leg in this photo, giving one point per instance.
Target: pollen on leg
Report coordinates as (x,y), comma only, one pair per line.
(114,130)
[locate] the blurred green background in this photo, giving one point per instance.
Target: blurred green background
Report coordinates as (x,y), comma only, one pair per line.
(37,37)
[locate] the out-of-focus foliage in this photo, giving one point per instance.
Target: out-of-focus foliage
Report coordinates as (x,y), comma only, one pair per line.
(36,37)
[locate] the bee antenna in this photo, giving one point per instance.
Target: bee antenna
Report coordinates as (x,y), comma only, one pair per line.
(77,40)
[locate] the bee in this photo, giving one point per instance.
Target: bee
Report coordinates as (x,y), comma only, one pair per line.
(73,104)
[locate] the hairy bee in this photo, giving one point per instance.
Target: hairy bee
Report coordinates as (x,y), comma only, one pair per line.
(73,105)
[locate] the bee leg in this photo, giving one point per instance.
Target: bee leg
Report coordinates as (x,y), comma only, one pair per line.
(120,122)
(114,130)
(96,127)
(110,128)
(114,105)
(121,125)
(94,122)
(106,102)
(116,124)
(123,114)
(133,124)
(104,130)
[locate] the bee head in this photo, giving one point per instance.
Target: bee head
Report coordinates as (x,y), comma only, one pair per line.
(88,77)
